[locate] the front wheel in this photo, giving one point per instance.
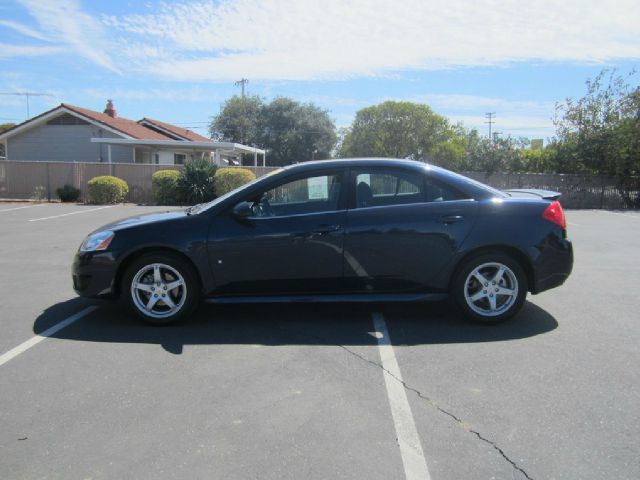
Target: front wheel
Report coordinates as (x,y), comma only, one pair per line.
(160,288)
(490,288)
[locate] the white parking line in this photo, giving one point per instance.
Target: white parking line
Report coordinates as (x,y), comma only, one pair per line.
(23,347)
(20,208)
(413,460)
(72,213)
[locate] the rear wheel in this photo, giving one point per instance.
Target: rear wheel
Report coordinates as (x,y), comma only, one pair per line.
(160,288)
(490,288)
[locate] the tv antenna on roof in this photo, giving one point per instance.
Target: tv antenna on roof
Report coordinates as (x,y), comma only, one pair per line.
(27,95)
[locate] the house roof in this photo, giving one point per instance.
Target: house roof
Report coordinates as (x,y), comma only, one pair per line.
(128,128)
(121,124)
(178,131)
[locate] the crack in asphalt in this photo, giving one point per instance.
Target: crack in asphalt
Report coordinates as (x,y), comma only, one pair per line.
(424,397)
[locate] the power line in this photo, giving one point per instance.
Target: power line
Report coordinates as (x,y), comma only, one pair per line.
(27,95)
(490,116)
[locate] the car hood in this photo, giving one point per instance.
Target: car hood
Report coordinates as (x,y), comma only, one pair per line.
(143,220)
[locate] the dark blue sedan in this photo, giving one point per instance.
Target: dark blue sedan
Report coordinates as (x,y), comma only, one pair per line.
(342,230)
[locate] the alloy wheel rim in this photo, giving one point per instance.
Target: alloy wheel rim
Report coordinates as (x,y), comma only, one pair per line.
(158,290)
(491,289)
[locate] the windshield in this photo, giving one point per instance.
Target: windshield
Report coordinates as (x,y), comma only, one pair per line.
(202,207)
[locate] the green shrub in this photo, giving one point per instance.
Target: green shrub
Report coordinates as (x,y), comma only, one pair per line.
(165,187)
(107,189)
(228,179)
(68,193)
(196,184)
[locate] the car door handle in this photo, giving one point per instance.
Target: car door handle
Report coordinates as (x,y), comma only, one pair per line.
(451,219)
(324,229)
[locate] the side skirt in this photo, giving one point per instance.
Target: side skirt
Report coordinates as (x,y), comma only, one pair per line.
(347,298)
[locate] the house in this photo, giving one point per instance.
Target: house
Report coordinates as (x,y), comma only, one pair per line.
(68,133)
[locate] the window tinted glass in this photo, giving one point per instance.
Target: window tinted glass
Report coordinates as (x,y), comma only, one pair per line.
(377,189)
(306,195)
(437,191)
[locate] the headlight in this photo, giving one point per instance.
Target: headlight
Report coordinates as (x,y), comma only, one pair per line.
(97,241)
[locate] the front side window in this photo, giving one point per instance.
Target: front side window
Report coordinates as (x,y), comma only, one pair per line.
(306,195)
(179,158)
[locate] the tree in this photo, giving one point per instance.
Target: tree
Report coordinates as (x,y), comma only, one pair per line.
(601,129)
(295,132)
(239,120)
(289,130)
(403,130)
(600,133)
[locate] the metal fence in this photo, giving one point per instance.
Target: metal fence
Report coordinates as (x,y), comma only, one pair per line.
(19,179)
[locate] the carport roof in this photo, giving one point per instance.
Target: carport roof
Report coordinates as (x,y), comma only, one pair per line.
(209,146)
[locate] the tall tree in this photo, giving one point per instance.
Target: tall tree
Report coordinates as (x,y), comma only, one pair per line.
(601,130)
(239,120)
(296,132)
(291,131)
(403,130)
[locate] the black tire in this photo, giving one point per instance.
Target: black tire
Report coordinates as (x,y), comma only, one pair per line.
(172,270)
(494,303)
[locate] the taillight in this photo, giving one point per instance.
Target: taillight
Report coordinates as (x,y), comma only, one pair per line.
(554,214)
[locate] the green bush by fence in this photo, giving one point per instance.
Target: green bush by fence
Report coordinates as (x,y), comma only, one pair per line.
(164,184)
(196,182)
(228,179)
(68,193)
(107,189)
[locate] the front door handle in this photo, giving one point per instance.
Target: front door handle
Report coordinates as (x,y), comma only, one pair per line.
(451,219)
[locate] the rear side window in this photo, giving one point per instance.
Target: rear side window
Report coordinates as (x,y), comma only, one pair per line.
(437,191)
(384,188)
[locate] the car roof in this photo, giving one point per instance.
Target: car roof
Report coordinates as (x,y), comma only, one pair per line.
(358,162)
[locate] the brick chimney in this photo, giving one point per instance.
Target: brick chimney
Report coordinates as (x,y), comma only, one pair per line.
(110,109)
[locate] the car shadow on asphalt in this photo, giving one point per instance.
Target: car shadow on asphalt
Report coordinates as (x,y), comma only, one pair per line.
(291,324)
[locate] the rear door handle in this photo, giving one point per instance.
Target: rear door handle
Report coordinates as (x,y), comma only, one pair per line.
(451,219)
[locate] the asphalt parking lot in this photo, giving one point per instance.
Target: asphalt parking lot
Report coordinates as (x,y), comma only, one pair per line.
(316,391)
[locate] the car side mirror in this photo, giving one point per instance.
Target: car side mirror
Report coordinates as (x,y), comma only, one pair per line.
(243,210)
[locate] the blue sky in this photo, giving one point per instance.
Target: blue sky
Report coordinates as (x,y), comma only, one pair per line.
(177,61)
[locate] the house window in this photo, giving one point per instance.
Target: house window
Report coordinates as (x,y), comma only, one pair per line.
(156,158)
(179,158)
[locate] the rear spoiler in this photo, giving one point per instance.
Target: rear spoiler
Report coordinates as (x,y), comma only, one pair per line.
(533,192)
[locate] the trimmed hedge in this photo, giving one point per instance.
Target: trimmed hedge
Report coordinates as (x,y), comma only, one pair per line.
(68,193)
(164,184)
(230,178)
(107,189)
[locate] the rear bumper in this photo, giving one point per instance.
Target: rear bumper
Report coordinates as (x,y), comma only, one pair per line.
(93,274)
(553,264)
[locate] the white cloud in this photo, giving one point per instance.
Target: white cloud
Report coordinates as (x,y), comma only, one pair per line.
(303,40)
(194,94)
(64,22)
(23,29)
(9,50)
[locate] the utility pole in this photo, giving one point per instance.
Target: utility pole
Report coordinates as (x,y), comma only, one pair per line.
(242,82)
(27,95)
(490,120)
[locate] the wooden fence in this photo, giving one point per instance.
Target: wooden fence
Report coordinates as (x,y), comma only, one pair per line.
(19,179)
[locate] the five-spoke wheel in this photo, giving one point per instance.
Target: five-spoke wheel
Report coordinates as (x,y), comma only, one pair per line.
(161,287)
(490,287)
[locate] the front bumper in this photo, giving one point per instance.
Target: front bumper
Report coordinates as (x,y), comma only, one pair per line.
(553,264)
(94,273)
